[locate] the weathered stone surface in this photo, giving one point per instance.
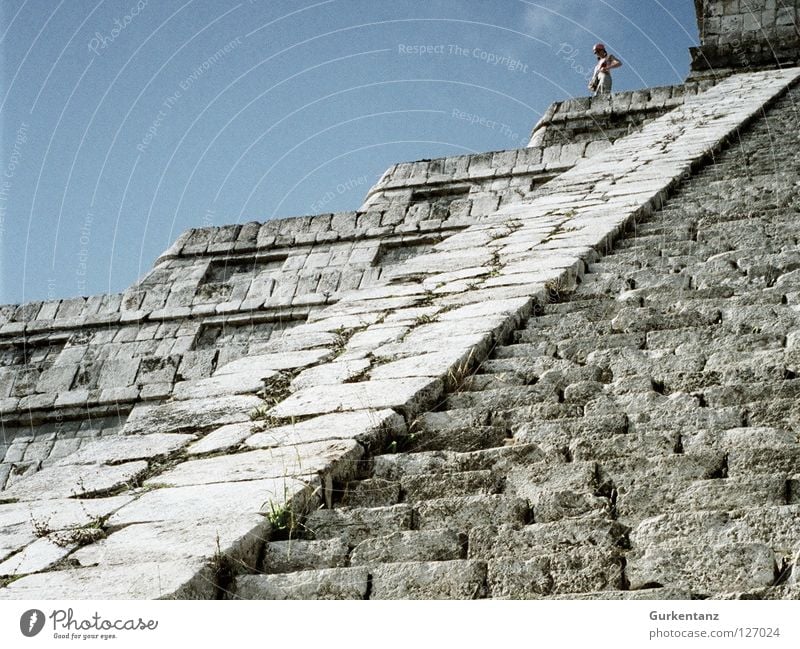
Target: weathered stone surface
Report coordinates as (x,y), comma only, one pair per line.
(331,583)
(436,364)
(14,538)
(214,501)
(372,492)
(435,545)
(268,363)
(38,556)
(242,382)
(291,556)
(703,569)
(237,537)
(354,525)
(338,458)
(190,415)
(365,426)
(429,580)
(59,514)
(582,569)
(476,344)
(407,395)
(221,439)
(188,579)
(507,542)
(463,513)
(329,374)
(121,448)
(74,481)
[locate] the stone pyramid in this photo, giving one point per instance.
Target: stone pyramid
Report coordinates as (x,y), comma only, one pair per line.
(568,370)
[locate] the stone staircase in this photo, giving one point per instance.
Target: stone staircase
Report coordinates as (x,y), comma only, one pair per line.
(636,438)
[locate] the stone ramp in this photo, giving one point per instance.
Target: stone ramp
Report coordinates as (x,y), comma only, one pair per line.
(442,315)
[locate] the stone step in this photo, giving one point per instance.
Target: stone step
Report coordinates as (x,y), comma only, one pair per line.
(647,486)
(597,284)
(504,397)
(352,525)
(705,571)
(558,491)
(597,447)
(456,580)
(370,492)
(775,526)
(299,554)
(507,417)
(527,350)
(426,486)
(568,327)
(533,369)
(563,432)
(494,381)
(451,419)
(779,413)
(542,539)
(671,225)
(329,583)
(649,241)
(529,370)
(580,570)
(460,439)
(462,513)
(425,545)
(746,393)
(734,492)
(579,348)
(593,309)
(702,340)
(646,319)
(394,467)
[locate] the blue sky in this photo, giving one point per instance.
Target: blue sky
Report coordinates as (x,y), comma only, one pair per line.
(125,122)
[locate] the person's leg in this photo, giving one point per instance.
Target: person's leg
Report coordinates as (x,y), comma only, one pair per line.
(605,84)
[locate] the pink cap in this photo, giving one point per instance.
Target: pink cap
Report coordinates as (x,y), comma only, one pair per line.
(599,48)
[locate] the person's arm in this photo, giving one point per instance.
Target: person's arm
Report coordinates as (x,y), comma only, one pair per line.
(611,63)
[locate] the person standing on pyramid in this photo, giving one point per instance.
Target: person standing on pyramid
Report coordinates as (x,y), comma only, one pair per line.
(601,79)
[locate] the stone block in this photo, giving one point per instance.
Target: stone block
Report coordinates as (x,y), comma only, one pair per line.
(71,481)
(582,569)
(703,570)
(337,458)
(407,395)
(222,439)
(241,382)
(164,580)
(125,448)
(190,415)
(38,556)
(295,555)
(354,525)
(432,545)
(368,427)
(215,501)
(329,374)
(240,538)
(430,580)
(330,583)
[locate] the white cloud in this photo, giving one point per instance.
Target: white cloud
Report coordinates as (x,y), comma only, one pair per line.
(562,20)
